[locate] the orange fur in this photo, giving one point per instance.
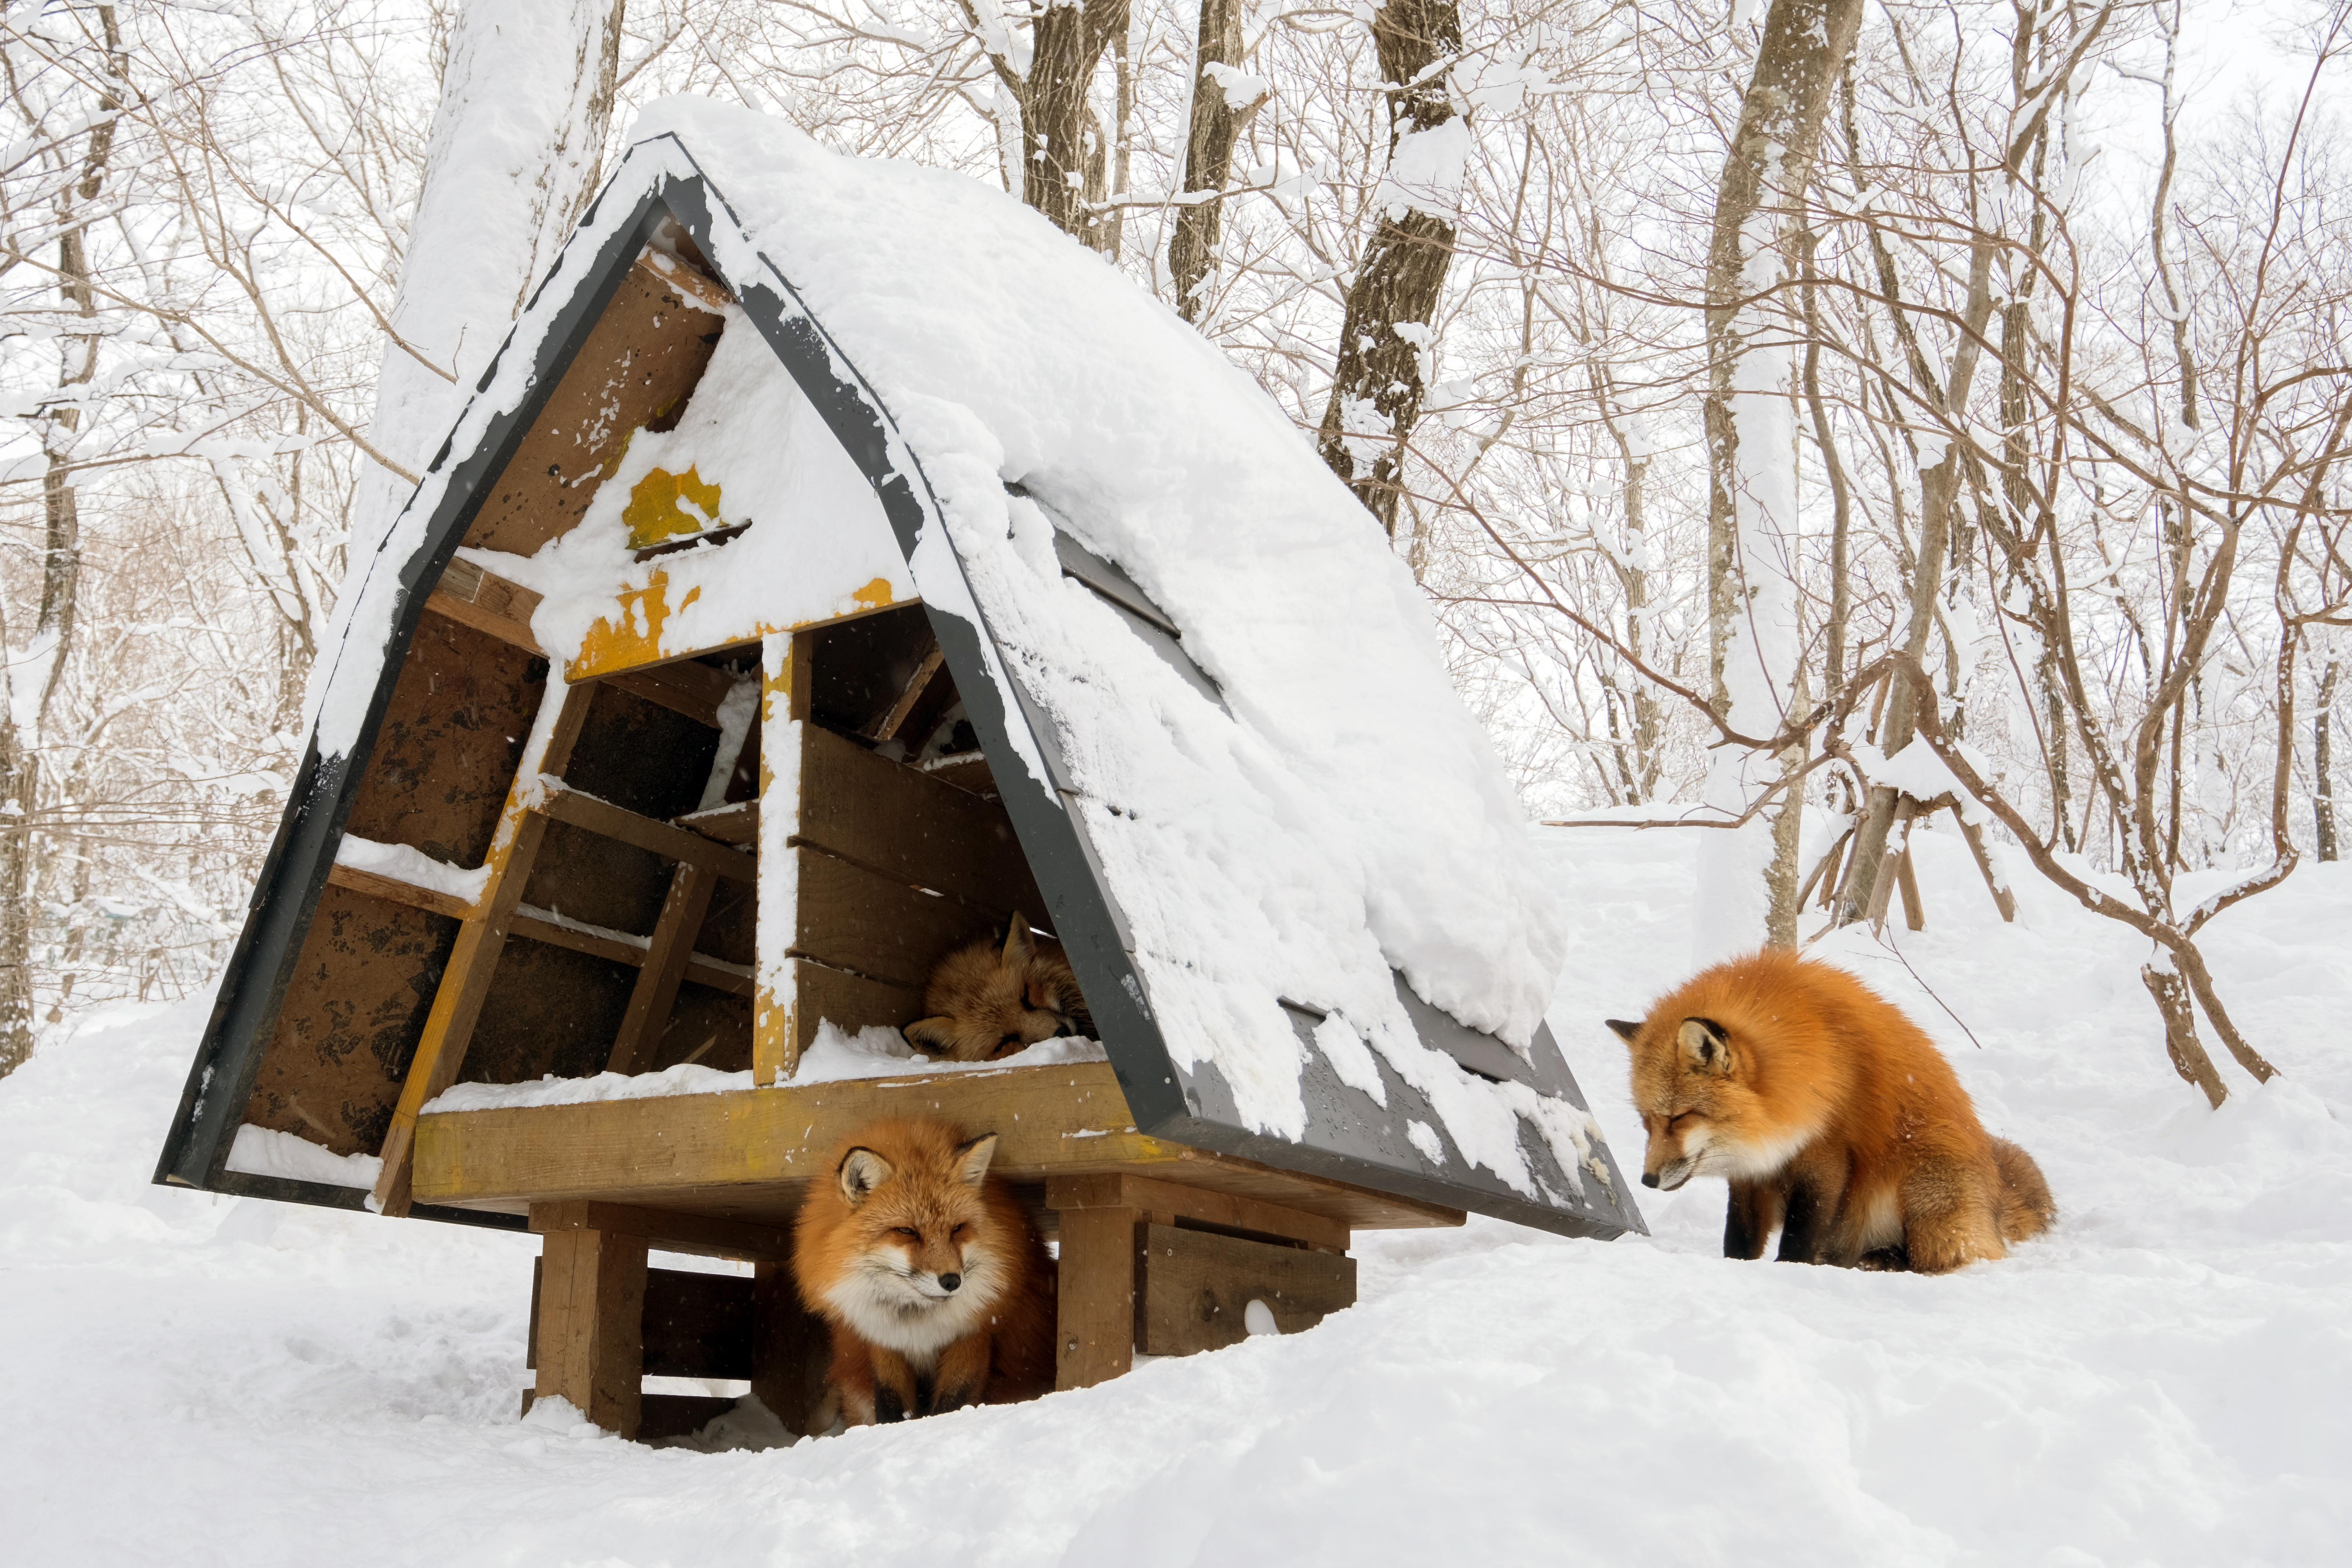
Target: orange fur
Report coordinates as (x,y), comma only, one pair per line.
(936,1284)
(1833,1117)
(992,999)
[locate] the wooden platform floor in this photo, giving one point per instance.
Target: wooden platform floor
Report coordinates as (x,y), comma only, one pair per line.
(744,1156)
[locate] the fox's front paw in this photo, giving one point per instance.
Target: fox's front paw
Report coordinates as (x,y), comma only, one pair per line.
(1885,1260)
(887,1405)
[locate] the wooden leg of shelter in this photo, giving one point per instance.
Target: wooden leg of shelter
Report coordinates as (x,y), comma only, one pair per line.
(790,1347)
(466,979)
(1095,1325)
(591,1335)
(666,953)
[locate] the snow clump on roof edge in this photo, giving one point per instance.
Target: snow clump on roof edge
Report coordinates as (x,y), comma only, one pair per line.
(1368,800)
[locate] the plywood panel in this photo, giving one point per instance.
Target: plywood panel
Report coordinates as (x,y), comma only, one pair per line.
(601,881)
(852,1002)
(851,918)
(446,749)
(352,1019)
(713,1023)
(644,756)
(550,1010)
(730,926)
(638,367)
(911,827)
(1197,1286)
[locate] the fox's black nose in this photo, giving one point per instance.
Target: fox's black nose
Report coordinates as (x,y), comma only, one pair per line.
(1648,1180)
(949,1282)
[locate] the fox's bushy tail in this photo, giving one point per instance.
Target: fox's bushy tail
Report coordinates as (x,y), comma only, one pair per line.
(2027,1209)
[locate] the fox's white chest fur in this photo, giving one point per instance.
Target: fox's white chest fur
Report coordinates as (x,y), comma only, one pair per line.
(899,1308)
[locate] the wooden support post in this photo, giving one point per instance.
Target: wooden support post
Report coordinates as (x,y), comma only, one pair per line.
(1096,1326)
(790,1348)
(590,1347)
(786,666)
(466,980)
(690,888)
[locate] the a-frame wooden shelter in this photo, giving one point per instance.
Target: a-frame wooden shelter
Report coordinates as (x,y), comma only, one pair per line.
(746,761)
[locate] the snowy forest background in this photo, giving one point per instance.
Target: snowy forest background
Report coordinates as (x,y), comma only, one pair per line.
(1882,404)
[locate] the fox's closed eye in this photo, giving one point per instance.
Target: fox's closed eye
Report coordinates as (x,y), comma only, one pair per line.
(910,1234)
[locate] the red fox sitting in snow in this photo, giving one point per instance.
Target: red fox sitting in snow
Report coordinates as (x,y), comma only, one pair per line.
(992,1000)
(1833,1117)
(935,1283)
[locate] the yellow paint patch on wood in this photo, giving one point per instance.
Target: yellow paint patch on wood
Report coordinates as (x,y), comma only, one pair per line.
(629,637)
(664,505)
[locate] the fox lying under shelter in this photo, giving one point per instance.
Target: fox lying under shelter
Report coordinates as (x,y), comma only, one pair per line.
(935,1282)
(1833,1117)
(992,1000)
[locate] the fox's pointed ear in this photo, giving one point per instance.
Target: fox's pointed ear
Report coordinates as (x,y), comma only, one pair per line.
(972,1158)
(862,1171)
(1705,1048)
(1626,1027)
(931,1034)
(1019,947)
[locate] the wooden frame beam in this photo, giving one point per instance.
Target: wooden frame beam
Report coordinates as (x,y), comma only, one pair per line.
(482,935)
(485,602)
(682,686)
(564,804)
(701,1235)
(665,959)
(1227,1210)
(538,925)
(747,1153)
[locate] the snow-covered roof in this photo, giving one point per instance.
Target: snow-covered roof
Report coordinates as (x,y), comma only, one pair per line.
(1299,892)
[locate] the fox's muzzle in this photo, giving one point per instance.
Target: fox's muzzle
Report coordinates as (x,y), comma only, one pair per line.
(1668,1176)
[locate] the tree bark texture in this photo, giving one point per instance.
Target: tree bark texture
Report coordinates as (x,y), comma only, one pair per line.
(1208,154)
(2323,764)
(51,646)
(2181,1042)
(1376,390)
(1059,133)
(1753,654)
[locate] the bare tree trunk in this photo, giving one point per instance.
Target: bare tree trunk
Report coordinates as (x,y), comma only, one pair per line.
(1217,124)
(2323,762)
(1377,391)
(486,230)
(1056,138)
(1753,642)
(45,657)
(1108,229)
(2180,1043)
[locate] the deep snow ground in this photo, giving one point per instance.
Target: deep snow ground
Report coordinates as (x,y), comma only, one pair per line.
(2167,1379)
